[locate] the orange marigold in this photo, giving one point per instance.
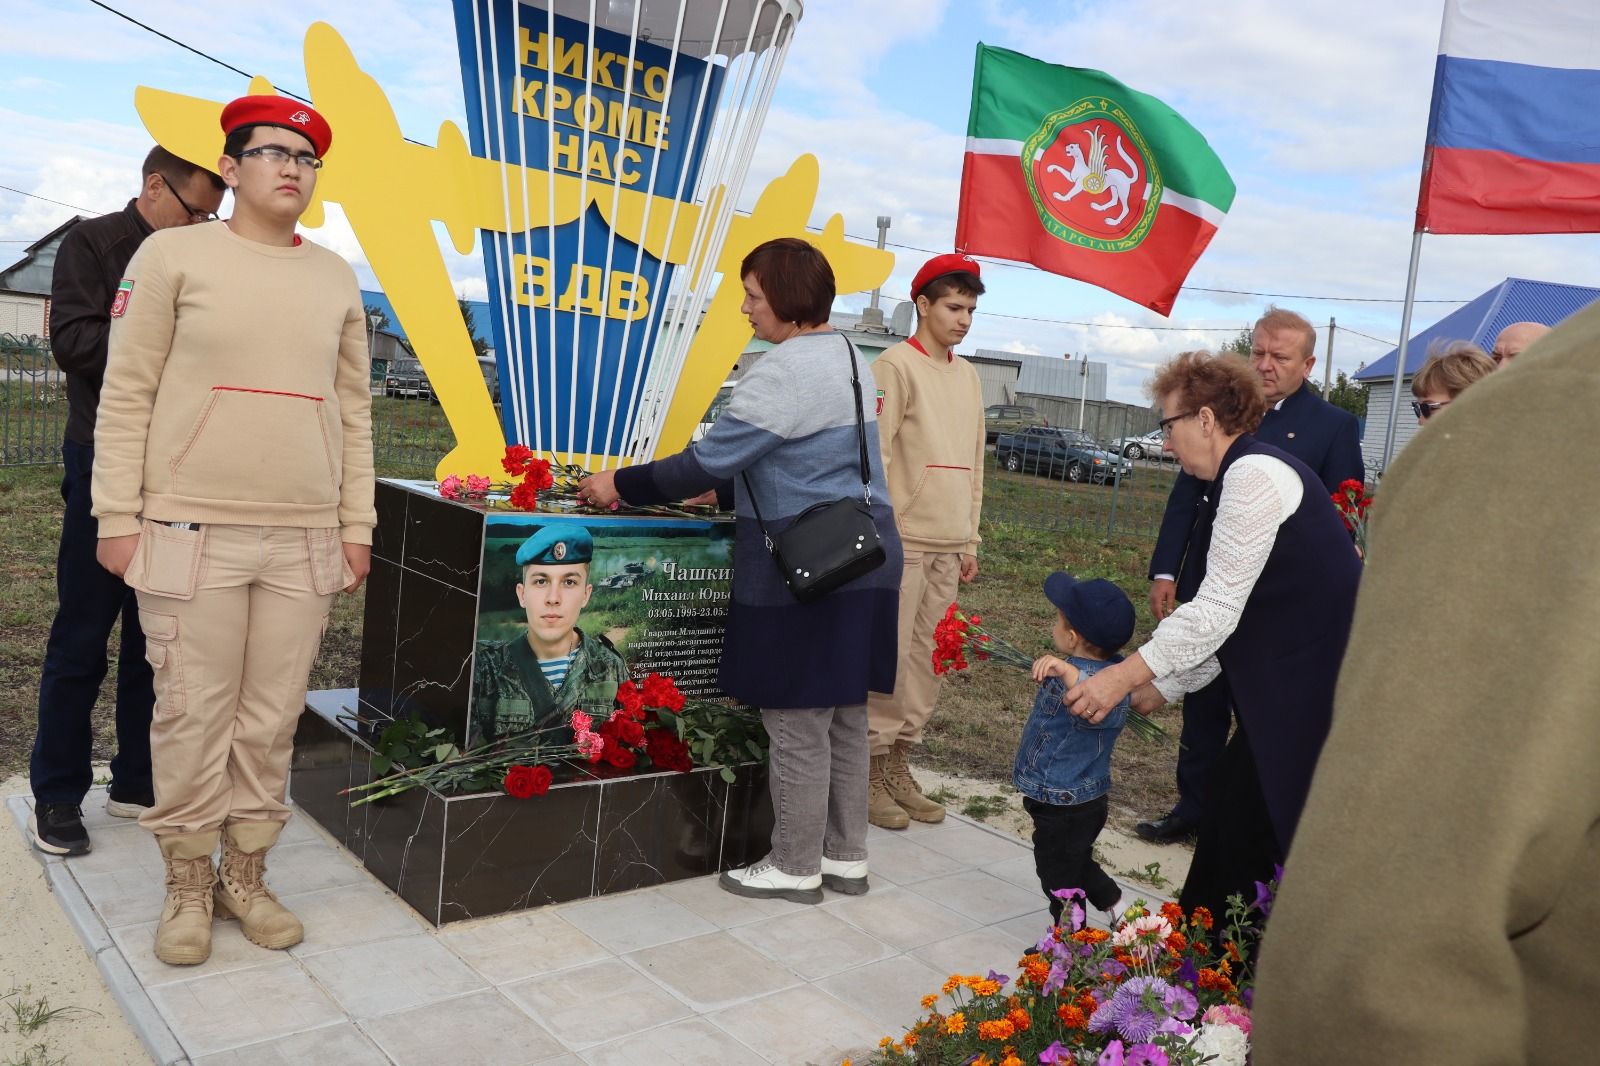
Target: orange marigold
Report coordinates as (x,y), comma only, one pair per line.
(910,1040)
(1203,916)
(1035,970)
(1172,913)
(886,1044)
(956,1023)
(1000,1029)
(1010,1060)
(1233,951)
(1019,1019)
(982,1060)
(1211,981)
(1072,1016)
(1086,1004)
(1090,936)
(953,982)
(929,1000)
(1177,943)
(985,987)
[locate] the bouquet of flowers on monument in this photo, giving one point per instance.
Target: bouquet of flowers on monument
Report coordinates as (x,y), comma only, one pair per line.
(959,635)
(1354,501)
(652,727)
(1165,988)
(532,473)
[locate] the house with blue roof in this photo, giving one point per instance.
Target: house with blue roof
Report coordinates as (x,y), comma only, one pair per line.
(1478,321)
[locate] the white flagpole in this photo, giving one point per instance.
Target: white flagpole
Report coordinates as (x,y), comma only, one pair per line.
(1400,356)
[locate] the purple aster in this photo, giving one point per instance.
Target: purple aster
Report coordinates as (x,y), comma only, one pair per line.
(1055,1053)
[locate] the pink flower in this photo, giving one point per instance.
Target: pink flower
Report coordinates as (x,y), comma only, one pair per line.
(582,723)
(1228,1014)
(477,485)
(450,487)
(591,745)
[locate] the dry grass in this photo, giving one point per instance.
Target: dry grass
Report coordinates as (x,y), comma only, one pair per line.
(1033,525)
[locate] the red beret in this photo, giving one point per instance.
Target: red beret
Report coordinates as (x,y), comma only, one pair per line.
(940,265)
(268,110)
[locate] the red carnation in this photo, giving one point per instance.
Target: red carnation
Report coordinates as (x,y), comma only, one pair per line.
(523,782)
(661,692)
(620,756)
(538,474)
(630,699)
(516,460)
(624,728)
(667,752)
(525,497)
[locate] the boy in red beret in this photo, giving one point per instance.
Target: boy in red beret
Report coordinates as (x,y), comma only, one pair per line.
(930,426)
(234,490)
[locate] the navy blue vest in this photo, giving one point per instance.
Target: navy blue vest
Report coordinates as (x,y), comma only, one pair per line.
(1282,662)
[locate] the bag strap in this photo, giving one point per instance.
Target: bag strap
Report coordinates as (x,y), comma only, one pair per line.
(861,441)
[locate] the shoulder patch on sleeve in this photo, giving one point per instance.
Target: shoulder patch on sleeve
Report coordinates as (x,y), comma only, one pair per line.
(119,305)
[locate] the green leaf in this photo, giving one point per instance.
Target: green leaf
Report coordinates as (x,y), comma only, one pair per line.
(443,752)
(381,764)
(754,749)
(399,753)
(727,775)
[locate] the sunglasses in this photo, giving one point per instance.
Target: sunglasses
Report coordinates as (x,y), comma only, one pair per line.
(1425,411)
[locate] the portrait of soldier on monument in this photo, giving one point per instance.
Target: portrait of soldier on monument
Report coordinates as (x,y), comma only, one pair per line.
(550,667)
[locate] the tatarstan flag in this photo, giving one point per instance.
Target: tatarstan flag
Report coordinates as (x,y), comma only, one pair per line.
(1074,172)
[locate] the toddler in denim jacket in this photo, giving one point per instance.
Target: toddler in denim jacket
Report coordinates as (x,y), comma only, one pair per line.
(1063,767)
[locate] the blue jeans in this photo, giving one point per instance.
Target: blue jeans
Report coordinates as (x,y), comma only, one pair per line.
(90,600)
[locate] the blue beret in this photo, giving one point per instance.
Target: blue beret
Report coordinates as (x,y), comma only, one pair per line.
(561,542)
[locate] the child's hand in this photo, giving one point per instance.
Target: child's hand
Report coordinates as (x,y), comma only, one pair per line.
(1048,666)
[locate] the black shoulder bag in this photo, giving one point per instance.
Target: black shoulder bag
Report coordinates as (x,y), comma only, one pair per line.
(828,544)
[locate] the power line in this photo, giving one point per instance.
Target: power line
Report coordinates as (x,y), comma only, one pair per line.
(47,200)
(190,48)
(1358,333)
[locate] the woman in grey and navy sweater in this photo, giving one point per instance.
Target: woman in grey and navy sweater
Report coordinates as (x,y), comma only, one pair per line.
(791,428)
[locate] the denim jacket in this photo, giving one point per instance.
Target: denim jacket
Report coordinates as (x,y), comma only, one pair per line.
(1063,760)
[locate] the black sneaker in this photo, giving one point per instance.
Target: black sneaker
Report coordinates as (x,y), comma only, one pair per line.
(58,829)
(129,802)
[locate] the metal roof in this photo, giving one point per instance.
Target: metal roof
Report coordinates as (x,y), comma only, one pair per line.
(1481,320)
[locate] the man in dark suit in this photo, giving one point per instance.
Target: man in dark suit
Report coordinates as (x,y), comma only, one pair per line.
(1325,438)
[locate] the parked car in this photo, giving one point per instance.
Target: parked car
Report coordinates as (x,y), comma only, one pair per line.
(405,378)
(1068,453)
(1009,418)
(1144,446)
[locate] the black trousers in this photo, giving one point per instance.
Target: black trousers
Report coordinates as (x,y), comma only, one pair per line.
(1063,851)
(91,601)
(1207,715)
(1237,845)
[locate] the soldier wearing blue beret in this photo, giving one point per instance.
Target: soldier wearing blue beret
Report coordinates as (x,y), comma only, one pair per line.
(537,679)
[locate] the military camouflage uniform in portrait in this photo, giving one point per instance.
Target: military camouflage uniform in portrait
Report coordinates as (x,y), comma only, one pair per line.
(512,689)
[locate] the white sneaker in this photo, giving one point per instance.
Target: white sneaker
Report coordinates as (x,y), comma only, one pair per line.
(765,881)
(847,877)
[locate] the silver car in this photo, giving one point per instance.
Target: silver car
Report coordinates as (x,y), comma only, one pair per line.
(1140,447)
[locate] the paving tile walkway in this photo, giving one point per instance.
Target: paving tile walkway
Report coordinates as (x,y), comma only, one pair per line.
(679,973)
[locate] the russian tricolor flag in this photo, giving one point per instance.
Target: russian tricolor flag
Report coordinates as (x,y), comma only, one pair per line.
(1514,129)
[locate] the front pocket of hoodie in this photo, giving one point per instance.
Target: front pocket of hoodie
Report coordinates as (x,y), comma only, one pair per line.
(259,446)
(925,518)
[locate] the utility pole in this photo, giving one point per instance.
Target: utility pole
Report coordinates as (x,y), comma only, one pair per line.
(1327,371)
(872,317)
(1083,388)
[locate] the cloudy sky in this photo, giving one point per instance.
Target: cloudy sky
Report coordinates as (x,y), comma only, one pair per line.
(1317,108)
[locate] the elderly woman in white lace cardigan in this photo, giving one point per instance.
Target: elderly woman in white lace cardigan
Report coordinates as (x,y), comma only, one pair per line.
(1272,614)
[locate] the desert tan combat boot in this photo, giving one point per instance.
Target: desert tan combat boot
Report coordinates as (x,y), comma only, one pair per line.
(905,791)
(184,936)
(241,889)
(882,810)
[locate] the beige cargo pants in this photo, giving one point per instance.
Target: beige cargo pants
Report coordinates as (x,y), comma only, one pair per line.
(927,589)
(233,617)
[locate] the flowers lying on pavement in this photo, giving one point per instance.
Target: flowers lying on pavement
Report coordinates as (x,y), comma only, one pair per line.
(1137,996)
(958,634)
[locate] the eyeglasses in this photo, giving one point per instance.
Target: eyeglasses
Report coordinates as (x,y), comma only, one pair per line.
(194,216)
(1165,425)
(1425,411)
(278,155)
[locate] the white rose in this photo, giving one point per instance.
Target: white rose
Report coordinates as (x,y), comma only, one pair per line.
(1226,1044)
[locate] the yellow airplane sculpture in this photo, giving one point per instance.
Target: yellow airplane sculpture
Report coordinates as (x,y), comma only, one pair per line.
(393,190)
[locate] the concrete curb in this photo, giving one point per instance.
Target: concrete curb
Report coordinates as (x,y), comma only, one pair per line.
(125,988)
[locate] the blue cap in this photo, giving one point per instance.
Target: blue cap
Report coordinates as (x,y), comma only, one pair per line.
(557,544)
(1097,609)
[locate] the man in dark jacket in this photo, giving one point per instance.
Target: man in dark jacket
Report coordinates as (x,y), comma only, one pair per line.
(1325,438)
(83,292)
